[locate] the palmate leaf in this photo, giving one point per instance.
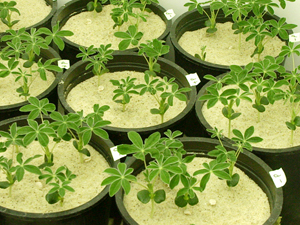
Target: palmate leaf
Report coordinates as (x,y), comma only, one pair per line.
(119,177)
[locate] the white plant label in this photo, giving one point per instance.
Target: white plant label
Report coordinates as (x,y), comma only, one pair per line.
(170,14)
(64,64)
(294,37)
(278,177)
(116,155)
(193,79)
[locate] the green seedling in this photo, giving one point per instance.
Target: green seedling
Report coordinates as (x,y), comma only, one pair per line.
(241,142)
(292,95)
(202,56)
(16,173)
(6,11)
(95,5)
(125,88)
(214,10)
(28,45)
(258,29)
(228,97)
(126,11)
(151,51)
(97,58)
(163,92)
(60,180)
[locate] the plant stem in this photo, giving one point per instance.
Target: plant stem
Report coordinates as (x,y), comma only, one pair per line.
(229,128)
(292,138)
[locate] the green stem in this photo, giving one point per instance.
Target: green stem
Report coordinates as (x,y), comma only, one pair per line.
(229,128)
(292,138)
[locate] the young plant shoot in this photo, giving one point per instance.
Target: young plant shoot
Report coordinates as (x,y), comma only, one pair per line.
(7,9)
(97,58)
(125,88)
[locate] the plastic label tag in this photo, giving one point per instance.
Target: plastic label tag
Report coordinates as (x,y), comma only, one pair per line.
(294,37)
(193,79)
(170,14)
(278,177)
(116,155)
(64,64)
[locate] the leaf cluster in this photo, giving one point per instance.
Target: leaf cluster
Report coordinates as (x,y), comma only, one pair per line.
(6,11)
(60,180)
(97,58)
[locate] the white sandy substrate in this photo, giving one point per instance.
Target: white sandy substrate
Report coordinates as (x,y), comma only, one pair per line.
(245,204)
(137,113)
(222,47)
(8,86)
(32,12)
(271,128)
(96,29)
(29,194)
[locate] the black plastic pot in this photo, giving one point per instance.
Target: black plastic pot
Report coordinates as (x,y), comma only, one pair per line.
(190,21)
(254,167)
(94,212)
(286,158)
(46,22)
(75,7)
(130,61)
(9,111)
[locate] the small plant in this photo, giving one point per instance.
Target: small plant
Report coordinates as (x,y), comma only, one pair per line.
(97,58)
(292,94)
(126,11)
(125,88)
(28,45)
(96,5)
(164,93)
(61,179)
(228,97)
(16,173)
(259,30)
(6,11)
(214,10)
(202,56)
(241,142)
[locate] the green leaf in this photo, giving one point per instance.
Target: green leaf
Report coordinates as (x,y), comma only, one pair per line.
(143,196)
(233,181)
(159,196)
(52,198)
(180,201)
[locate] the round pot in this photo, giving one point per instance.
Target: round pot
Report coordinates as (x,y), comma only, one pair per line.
(130,61)
(9,111)
(285,158)
(77,6)
(191,21)
(46,22)
(254,167)
(94,212)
